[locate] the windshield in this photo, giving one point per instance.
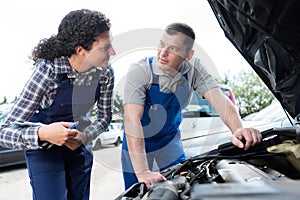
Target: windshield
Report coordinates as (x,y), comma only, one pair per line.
(200,107)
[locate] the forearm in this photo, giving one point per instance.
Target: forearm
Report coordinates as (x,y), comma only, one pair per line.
(97,127)
(23,136)
(19,138)
(225,108)
(104,108)
(135,136)
(136,147)
(230,117)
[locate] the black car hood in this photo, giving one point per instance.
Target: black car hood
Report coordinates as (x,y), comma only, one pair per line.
(267,34)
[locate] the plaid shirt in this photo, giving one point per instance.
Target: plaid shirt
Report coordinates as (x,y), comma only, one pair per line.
(40,91)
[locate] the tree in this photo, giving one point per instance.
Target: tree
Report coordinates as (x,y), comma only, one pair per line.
(251,93)
(118,109)
(4,100)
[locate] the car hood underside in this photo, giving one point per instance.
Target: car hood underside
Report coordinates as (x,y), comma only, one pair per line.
(267,34)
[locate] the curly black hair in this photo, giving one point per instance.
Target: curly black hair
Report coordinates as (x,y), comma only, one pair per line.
(77,28)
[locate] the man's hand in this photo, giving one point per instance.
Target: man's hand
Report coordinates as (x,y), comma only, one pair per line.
(149,177)
(58,133)
(246,137)
(75,142)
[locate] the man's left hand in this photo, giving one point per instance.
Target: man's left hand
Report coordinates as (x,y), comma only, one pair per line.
(74,143)
(246,137)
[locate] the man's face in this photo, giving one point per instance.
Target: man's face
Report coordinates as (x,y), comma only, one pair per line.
(100,53)
(171,51)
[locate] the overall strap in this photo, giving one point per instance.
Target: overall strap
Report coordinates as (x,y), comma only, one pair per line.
(63,77)
(154,76)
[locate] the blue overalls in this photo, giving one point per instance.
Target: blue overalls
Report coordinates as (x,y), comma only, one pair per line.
(160,121)
(58,172)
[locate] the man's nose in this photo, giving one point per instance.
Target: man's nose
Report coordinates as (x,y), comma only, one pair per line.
(164,51)
(112,51)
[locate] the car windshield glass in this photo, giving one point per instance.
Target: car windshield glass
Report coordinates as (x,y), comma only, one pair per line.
(111,127)
(200,107)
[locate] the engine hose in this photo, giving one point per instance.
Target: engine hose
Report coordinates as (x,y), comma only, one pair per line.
(168,190)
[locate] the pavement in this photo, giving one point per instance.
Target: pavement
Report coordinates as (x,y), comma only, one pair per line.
(106,182)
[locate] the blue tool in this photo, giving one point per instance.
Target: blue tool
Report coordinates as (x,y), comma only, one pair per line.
(74,125)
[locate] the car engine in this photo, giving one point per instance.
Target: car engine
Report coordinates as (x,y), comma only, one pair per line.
(229,172)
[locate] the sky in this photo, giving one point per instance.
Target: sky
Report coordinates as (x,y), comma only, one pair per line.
(24,23)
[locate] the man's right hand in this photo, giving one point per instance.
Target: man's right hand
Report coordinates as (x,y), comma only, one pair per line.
(149,177)
(57,133)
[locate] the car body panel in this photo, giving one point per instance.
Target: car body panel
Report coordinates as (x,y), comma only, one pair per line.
(9,157)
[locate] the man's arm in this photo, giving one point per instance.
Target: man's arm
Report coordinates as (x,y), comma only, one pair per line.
(104,106)
(231,118)
(136,145)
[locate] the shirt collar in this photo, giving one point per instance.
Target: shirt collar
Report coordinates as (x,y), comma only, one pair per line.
(185,67)
(62,66)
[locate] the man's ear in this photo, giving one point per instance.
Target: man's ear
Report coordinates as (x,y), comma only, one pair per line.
(189,55)
(79,50)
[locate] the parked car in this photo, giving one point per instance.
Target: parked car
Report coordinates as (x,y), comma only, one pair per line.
(267,35)
(200,107)
(113,135)
(9,157)
(272,113)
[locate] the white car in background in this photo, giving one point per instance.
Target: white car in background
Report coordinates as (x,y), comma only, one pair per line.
(112,136)
(272,113)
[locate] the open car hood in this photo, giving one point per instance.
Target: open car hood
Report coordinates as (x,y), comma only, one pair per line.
(267,34)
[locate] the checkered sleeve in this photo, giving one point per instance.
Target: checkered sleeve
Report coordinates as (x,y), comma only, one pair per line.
(25,106)
(104,105)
